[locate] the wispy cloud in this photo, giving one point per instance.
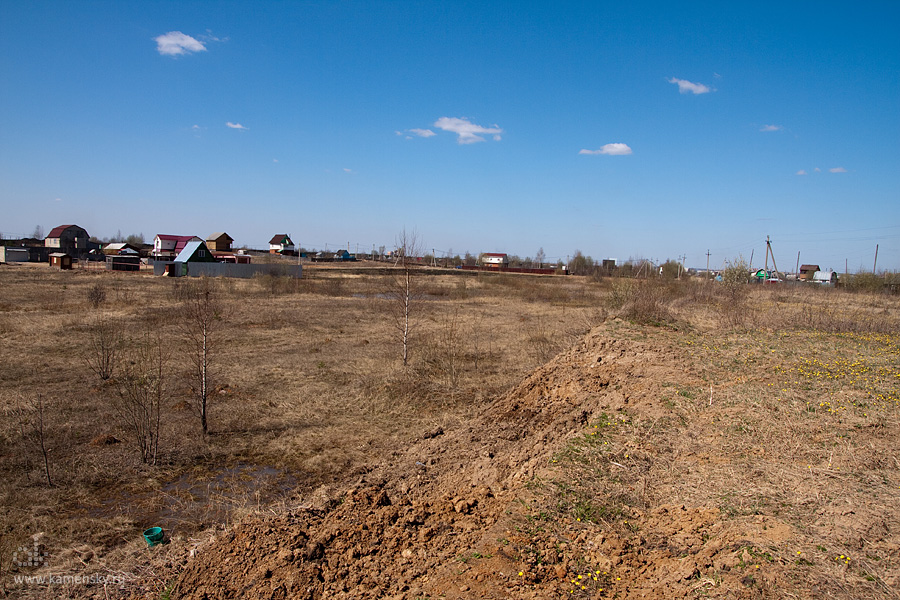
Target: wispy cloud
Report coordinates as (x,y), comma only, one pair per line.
(346,170)
(837,170)
(615,149)
(176,43)
(409,133)
(468,132)
(801,172)
(689,87)
(236,126)
(771,128)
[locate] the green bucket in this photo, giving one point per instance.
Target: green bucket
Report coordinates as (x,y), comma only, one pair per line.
(154,536)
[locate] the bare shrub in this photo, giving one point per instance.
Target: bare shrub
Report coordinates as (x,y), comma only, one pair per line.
(31,415)
(863,282)
(449,342)
(104,343)
(123,292)
(96,294)
(649,303)
(541,345)
(141,392)
(735,280)
(275,284)
(621,292)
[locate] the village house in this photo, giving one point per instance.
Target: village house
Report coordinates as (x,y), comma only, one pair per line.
(807,272)
(494,259)
(121,248)
(167,247)
(68,239)
(219,242)
(281,244)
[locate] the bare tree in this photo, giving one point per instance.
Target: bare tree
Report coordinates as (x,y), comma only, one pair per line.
(539,258)
(203,315)
(402,290)
(450,344)
(141,391)
(38,232)
(31,417)
(104,343)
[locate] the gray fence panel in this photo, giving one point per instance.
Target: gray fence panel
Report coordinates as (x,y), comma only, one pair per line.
(241,271)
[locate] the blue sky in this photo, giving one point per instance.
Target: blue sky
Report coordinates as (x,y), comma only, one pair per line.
(635,129)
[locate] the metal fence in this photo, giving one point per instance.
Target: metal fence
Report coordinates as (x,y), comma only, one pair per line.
(241,271)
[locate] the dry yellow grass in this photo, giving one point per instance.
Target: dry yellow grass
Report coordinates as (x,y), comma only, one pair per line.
(309,384)
(794,386)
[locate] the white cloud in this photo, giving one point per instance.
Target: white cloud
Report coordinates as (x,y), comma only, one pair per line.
(346,170)
(771,128)
(615,149)
(685,86)
(817,170)
(235,126)
(468,132)
(176,43)
(195,127)
(801,172)
(425,133)
(837,170)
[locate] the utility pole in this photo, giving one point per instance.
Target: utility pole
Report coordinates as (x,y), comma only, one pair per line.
(707,264)
(751,258)
(876,259)
(772,252)
(797,272)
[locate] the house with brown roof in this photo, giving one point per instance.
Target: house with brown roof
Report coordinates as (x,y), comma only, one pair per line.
(807,272)
(219,242)
(495,259)
(70,239)
(281,244)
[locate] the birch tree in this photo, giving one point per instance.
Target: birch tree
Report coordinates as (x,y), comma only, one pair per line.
(203,316)
(403,291)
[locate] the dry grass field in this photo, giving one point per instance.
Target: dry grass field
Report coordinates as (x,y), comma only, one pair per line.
(551,437)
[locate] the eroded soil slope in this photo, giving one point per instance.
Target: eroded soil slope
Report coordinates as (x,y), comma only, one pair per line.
(623,468)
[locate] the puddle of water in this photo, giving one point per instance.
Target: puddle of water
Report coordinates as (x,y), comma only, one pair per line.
(191,501)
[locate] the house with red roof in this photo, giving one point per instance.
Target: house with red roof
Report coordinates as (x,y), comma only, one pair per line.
(167,247)
(70,239)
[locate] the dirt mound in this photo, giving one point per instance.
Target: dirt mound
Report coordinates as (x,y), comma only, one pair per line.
(466,512)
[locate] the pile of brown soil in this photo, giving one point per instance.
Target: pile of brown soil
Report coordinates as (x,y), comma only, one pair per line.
(463,513)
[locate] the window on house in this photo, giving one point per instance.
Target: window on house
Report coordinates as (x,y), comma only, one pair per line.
(201,253)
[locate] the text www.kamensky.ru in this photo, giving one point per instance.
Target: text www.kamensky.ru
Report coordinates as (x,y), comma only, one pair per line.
(94,579)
